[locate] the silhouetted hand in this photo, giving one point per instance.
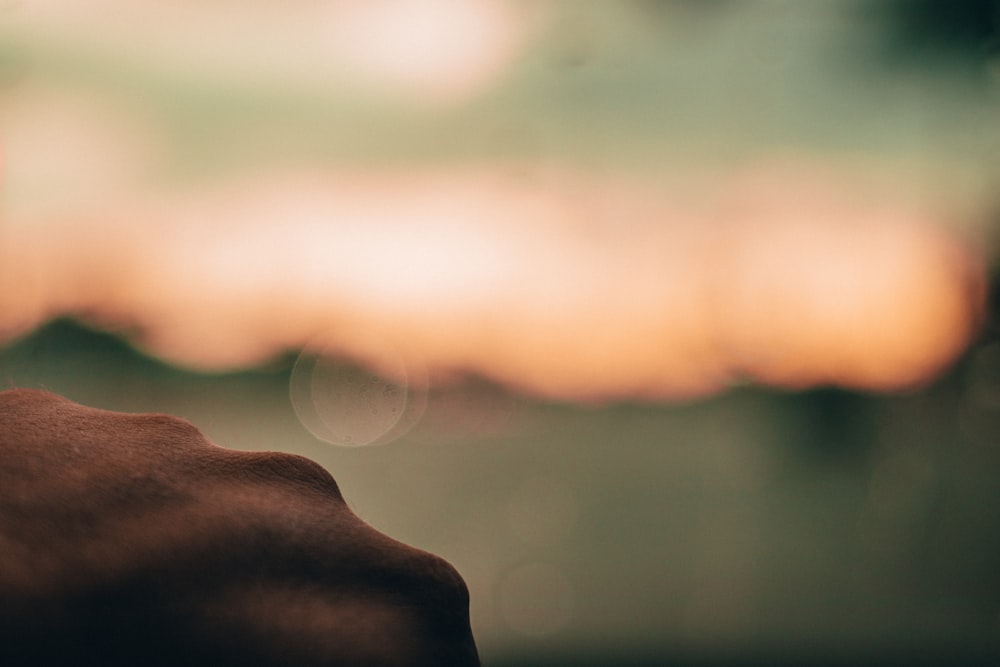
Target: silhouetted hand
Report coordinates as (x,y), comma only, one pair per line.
(131,539)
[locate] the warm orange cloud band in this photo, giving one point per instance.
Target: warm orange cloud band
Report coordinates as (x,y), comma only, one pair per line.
(554,281)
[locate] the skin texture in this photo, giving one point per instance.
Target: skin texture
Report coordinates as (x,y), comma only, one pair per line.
(131,539)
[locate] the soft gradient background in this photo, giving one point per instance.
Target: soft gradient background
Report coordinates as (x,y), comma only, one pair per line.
(667,322)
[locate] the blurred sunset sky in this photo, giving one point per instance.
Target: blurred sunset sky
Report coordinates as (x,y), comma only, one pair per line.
(580,200)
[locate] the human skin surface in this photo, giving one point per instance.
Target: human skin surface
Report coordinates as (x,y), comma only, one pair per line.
(132,539)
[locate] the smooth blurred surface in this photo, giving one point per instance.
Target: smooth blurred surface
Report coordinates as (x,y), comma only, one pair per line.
(671,318)
(609,200)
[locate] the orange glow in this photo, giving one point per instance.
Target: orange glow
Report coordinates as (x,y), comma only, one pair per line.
(564,284)
(842,290)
